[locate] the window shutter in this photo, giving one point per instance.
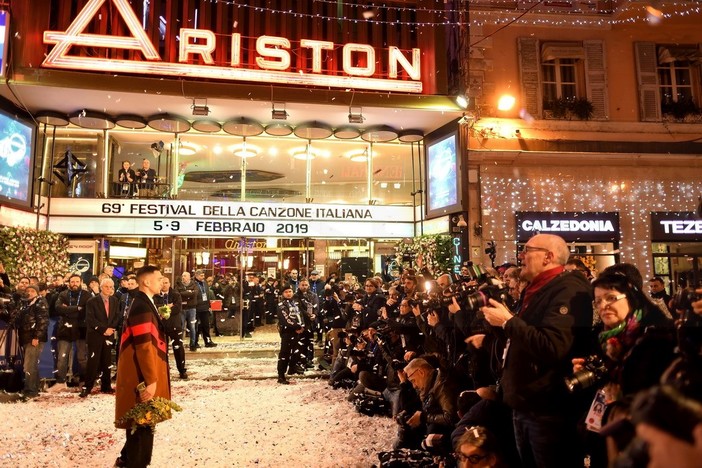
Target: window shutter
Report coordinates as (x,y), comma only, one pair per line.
(647,75)
(596,73)
(530,75)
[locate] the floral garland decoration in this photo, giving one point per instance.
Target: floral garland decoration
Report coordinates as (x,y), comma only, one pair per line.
(28,252)
(432,251)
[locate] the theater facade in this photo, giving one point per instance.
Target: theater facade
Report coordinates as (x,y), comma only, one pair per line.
(264,138)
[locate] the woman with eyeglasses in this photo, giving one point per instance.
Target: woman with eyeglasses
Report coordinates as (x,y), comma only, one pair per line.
(634,342)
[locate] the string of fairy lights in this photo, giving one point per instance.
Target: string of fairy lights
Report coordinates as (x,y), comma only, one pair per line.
(481,13)
(632,192)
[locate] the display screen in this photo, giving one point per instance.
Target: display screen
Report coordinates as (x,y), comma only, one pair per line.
(442,175)
(4,28)
(16,138)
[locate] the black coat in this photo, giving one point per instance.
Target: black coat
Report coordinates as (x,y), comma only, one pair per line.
(289,316)
(70,307)
(554,328)
(97,321)
(188,294)
(371,305)
(643,364)
(33,321)
(203,302)
(174,322)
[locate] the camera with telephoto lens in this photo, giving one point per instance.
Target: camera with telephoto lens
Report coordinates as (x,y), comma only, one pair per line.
(594,371)
(476,289)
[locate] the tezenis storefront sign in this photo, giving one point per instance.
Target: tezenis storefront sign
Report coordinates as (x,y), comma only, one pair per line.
(571,226)
(273,56)
(675,226)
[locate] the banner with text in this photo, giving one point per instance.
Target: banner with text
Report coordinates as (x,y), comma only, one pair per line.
(675,226)
(595,226)
(227,219)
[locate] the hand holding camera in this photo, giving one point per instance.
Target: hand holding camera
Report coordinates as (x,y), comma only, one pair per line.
(433,319)
(496,313)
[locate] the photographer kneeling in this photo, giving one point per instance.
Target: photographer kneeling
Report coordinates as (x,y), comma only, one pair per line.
(635,344)
(437,415)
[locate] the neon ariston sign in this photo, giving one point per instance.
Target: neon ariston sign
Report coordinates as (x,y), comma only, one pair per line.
(273,56)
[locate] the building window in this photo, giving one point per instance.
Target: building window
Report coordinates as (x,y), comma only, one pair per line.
(563,79)
(676,78)
(559,80)
(669,81)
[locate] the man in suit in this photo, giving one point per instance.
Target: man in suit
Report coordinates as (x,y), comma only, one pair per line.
(173,325)
(102,317)
(144,358)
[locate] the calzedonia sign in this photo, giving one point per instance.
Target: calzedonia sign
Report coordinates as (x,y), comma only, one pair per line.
(675,226)
(273,56)
(571,226)
(227,219)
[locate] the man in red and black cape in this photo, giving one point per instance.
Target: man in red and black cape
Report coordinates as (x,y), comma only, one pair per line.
(143,358)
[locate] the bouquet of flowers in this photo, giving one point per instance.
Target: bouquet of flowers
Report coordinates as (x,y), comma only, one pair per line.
(149,413)
(164,311)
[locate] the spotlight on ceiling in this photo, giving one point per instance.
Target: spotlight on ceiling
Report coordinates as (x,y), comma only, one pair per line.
(369,12)
(279,112)
(356,115)
(199,106)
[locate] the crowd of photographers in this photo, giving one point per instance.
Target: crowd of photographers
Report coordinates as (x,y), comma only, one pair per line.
(539,365)
(536,366)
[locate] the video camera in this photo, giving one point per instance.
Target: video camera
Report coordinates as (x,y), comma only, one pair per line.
(8,309)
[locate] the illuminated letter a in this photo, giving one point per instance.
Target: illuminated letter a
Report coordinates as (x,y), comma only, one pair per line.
(74,35)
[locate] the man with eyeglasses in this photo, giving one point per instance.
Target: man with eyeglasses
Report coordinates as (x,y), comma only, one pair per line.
(437,392)
(551,326)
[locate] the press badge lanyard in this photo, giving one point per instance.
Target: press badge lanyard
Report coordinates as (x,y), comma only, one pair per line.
(202,290)
(70,301)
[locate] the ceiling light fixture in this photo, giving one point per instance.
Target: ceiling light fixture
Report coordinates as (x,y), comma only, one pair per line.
(356,115)
(199,107)
(358,155)
(245,150)
(279,112)
(187,148)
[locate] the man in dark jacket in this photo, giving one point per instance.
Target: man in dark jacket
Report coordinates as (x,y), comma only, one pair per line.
(70,307)
(187,289)
(290,327)
(438,395)
(550,328)
(309,305)
(102,319)
(173,324)
(202,309)
(32,326)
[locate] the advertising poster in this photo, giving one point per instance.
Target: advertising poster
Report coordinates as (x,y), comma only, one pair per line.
(442,164)
(15,159)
